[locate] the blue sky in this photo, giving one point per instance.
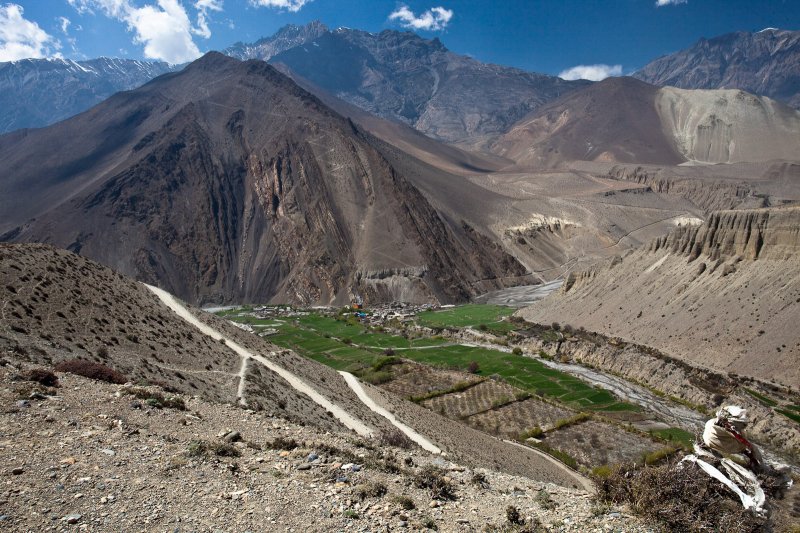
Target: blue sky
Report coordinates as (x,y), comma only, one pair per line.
(549,36)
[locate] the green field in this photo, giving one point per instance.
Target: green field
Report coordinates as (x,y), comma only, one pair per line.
(472,315)
(676,435)
(348,345)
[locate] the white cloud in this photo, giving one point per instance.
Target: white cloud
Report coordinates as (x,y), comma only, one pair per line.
(164,29)
(661,3)
(203,7)
(289,5)
(21,38)
(591,72)
(434,19)
(64,22)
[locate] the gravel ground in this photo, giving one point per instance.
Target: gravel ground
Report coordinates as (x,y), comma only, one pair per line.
(89,456)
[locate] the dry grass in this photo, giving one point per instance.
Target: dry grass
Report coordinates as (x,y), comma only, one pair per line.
(682,500)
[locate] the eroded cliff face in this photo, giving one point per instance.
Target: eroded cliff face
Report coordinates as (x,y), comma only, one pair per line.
(725,126)
(724,295)
(705,194)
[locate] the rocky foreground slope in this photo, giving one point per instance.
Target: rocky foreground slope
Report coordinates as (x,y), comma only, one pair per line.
(92,455)
(227,182)
(724,295)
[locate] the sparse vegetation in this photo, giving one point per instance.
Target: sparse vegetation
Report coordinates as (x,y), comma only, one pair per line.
(544,500)
(681,499)
(396,438)
(281,443)
(433,478)
(156,399)
(404,502)
(532,433)
(202,448)
(42,376)
(372,489)
(92,370)
(513,516)
(571,421)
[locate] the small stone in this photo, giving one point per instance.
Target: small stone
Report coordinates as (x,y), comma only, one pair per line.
(108,451)
(72,518)
(4,517)
(284,453)
(304,466)
(232,436)
(23,403)
(434,504)
(17,471)
(312,457)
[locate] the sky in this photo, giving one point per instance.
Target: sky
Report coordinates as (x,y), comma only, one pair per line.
(591,39)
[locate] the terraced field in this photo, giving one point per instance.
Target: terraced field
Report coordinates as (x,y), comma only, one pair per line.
(348,345)
(511,420)
(507,401)
(593,443)
(479,398)
(414,379)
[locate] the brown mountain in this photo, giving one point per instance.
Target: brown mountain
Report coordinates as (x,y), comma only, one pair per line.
(628,121)
(227,182)
(765,63)
(406,78)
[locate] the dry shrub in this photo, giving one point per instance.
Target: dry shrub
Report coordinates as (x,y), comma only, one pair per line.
(281,443)
(683,500)
(42,376)
(371,489)
(89,369)
(396,438)
(156,399)
(433,478)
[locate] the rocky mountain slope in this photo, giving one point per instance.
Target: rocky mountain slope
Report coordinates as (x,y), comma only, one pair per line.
(227,182)
(285,38)
(765,63)
(665,126)
(39,92)
(419,82)
(724,295)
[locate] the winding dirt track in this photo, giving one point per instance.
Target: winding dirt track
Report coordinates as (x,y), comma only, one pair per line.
(354,384)
(298,384)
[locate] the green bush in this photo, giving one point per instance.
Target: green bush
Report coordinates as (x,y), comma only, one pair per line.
(534,432)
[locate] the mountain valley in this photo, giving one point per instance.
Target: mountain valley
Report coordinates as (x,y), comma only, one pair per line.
(334,279)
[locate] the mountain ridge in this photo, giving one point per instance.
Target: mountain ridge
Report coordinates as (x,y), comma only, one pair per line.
(764,63)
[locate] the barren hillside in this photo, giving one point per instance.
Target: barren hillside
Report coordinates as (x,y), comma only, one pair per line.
(628,121)
(725,295)
(227,182)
